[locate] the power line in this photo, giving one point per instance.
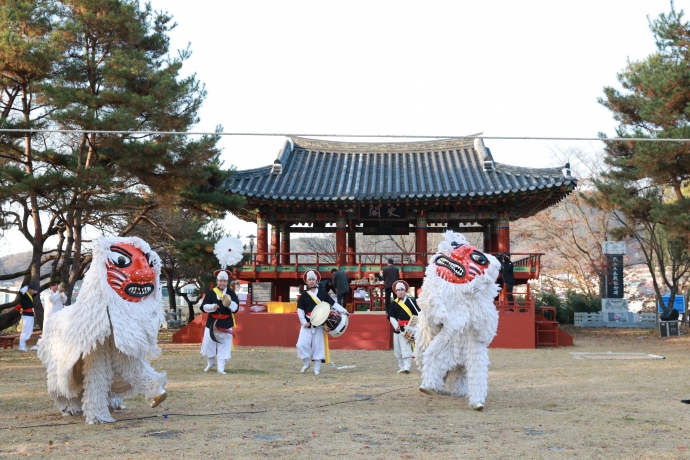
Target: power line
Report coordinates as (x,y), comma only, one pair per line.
(391,136)
(216,414)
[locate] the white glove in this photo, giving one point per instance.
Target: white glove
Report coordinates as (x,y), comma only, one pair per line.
(337,307)
(209,307)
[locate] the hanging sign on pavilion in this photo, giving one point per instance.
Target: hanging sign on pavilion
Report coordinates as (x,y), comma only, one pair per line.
(383,211)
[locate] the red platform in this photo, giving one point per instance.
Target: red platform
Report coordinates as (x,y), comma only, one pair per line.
(365,331)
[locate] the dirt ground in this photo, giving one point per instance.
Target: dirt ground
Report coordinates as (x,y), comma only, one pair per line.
(542,403)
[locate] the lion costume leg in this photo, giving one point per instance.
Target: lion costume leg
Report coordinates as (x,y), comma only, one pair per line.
(139,373)
(98,377)
(437,360)
(456,382)
(477,363)
(68,406)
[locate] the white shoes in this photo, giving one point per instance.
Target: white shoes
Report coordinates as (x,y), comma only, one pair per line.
(35,347)
(304,369)
(317,373)
(222,372)
(208,367)
(400,371)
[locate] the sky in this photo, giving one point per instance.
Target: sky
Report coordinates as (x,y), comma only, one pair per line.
(504,68)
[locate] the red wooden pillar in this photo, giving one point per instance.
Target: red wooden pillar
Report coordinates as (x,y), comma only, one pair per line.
(275,242)
(487,237)
(503,234)
(340,238)
(351,247)
(494,236)
(261,240)
(285,244)
(420,240)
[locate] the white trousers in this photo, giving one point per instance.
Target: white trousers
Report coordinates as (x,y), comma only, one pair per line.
(27,330)
(310,344)
(211,349)
(403,350)
(48,311)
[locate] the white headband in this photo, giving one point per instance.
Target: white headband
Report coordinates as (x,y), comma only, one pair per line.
(311,275)
(400,285)
(222,276)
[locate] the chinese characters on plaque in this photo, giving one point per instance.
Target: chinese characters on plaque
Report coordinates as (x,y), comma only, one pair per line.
(614,276)
(383,211)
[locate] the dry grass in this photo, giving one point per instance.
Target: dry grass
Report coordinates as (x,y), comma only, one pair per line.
(542,404)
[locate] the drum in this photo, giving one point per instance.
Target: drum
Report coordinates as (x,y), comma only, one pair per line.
(410,329)
(333,322)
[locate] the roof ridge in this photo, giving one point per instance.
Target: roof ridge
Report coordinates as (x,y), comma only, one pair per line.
(384,147)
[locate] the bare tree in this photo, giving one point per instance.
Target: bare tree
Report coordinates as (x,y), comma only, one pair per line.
(571,232)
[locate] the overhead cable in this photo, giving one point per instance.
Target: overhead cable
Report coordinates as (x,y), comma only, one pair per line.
(394,136)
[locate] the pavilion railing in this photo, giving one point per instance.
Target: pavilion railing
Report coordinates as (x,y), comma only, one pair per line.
(525,262)
(332,258)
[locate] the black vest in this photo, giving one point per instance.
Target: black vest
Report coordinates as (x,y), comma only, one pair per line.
(307,304)
(211,298)
(397,312)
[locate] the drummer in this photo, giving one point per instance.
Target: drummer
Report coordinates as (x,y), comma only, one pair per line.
(401,311)
(310,343)
(217,341)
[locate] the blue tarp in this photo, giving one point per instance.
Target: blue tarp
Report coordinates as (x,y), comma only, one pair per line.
(678,302)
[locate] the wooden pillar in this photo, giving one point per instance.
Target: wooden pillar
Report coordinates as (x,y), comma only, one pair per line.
(285,243)
(261,240)
(487,237)
(420,239)
(494,236)
(503,234)
(340,239)
(275,242)
(351,247)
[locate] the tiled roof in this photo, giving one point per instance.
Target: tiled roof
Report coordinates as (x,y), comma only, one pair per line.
(316,170)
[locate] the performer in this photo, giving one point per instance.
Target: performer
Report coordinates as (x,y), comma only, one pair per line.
(390,275)
(310,343)
(401,311)
(217,343)
(96,351)
(507,275)
(55,301)
(26,309)
(458,320)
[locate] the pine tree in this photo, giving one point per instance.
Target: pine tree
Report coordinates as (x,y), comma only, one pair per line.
(111,70)
(647,181)
(29,47)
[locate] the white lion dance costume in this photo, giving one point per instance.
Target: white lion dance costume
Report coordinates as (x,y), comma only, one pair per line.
(458,320)
(95,351)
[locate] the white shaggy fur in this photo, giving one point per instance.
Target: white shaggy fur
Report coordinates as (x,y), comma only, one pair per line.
(101,336)
(457,323)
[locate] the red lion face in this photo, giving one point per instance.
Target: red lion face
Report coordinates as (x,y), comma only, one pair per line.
(129,272)
(464,264)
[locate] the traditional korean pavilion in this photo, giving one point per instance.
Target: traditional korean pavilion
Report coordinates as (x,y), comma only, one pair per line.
(399,188)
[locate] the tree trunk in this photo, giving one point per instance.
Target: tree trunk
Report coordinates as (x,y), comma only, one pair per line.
(9,318)
(172,300)
(190,305)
